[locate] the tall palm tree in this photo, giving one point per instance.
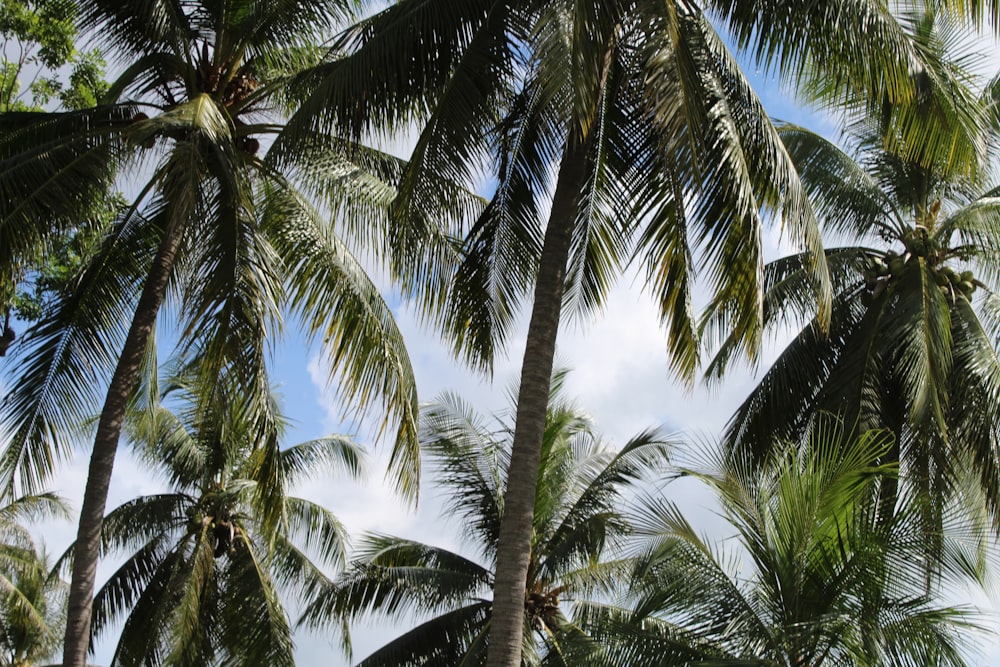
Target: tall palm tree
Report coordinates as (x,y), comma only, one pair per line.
(578,528)
(217,224)
(810,577)
(32,602)
(631,125)
(910,346)
(206,573)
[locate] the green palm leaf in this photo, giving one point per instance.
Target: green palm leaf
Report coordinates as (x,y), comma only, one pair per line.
(65,354)
(339,302)
(902,317)
(453,631)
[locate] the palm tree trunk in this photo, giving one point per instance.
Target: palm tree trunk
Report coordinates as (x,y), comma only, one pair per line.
(514,542)
(102,459)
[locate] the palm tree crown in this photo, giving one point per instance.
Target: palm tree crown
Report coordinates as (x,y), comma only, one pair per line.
(202,94)
(208,563)
(812,576)
(219,225)
(32,599)
(578,529)
(910,346)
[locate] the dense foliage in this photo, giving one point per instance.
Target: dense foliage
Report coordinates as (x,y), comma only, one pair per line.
(611,134)
(811,576)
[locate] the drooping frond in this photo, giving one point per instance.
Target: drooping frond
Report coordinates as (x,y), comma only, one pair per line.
(589,520)
(726,172)
(336,300)
(68,354)
(250,593)
(879,63)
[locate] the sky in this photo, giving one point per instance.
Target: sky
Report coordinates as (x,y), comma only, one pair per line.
(619,374)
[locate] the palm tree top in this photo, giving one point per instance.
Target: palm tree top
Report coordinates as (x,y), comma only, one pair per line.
(911,347)
(579,528)
(210,563)
(32,597)
(811,576)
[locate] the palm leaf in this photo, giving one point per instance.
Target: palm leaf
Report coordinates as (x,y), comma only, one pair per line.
(67,353)
(318,529)
(191,627)
(338,301)
(591,520)
(455,633)
(393,575)
(466,459)
(334,453)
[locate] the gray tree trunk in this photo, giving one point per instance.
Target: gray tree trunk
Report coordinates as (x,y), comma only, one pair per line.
(102,459)
(514,545)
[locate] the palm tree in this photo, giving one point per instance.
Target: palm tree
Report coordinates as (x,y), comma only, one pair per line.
(205,567)
(640,125)
(32,602)
(217,225)
(578,528)
(910,344)
(811,576)
(32,612)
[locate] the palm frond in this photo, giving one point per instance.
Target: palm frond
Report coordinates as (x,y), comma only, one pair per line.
(879,61)
(503,245)
(466,460)
(337,300)
(385,66)
(459,640)
(190,629)
(393,575)
(318,529)
(721,144)
(139,27)
(67,355)
(846,197)
(135,578)
(139,639)
(335,453)
(250,593)
(53,167)
(591,519)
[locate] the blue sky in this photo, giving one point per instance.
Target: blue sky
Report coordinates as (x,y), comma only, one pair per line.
(619,374)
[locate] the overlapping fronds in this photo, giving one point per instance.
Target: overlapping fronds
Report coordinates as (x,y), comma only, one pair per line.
(813,571)
(207,567)
(579,525)
(908,348)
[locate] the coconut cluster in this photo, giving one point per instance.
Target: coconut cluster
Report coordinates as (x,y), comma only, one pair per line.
(952,283)
(223,529)
(919,245)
